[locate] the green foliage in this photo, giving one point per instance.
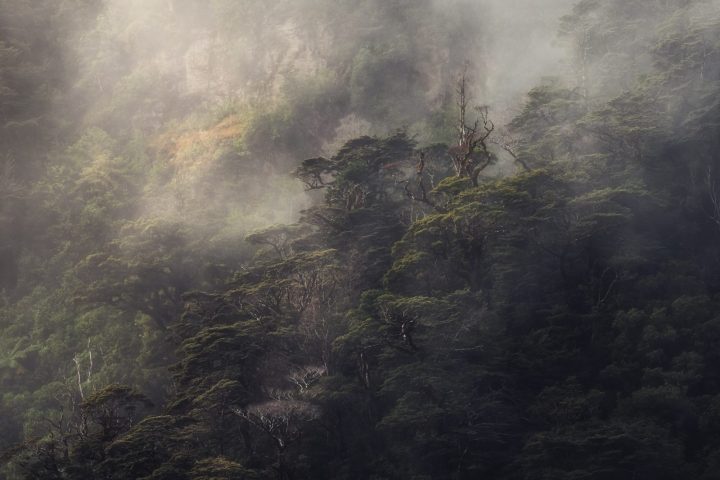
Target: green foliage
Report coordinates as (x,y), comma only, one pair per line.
(558,323)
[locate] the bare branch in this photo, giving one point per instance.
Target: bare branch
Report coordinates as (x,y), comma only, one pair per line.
(509,145)
(471,155)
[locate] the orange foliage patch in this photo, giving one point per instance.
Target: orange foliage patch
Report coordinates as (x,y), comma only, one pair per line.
(174,143)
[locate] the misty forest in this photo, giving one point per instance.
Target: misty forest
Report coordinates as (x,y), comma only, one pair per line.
(359,239)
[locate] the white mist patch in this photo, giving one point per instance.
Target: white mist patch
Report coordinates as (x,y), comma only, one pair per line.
(522,48)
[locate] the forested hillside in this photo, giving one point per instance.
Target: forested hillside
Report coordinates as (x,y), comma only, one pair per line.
(310,239)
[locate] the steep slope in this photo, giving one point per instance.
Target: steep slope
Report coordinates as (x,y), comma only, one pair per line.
(425,317)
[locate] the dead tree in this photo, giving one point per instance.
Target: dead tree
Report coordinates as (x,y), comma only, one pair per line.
(283,422)
(471,155)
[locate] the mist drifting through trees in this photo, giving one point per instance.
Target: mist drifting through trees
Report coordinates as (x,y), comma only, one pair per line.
(371,239)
